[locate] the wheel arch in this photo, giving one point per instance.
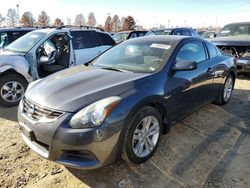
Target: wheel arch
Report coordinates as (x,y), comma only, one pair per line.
(156,102)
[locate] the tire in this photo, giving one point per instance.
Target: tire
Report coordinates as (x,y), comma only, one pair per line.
(12,88)
(228,85)
(131,152)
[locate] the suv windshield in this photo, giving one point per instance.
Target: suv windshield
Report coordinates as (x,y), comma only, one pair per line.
(26,42)
(135,56)
(235,30)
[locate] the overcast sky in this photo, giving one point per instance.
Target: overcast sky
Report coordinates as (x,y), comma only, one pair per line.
(148,13)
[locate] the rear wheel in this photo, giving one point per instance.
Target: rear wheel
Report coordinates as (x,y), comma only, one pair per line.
(12,88)
(142,136)
(226,91)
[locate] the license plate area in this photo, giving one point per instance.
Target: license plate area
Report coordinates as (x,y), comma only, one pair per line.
(26,131)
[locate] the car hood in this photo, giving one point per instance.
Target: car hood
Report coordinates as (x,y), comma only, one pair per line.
(7,58)
(231,41)
(77,87)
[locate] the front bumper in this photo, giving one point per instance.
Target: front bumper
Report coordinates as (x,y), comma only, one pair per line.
(243,65)
(77,148)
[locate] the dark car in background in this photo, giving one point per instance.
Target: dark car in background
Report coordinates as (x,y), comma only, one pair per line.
(173,31)
(121,104)
(125,35)
(234,39)
(8,35)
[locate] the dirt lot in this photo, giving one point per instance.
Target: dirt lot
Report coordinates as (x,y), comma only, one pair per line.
(210,148)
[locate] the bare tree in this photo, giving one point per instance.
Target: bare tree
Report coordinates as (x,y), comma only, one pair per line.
(108,24)
(12,17)
(58,22)
(43,19)
(27,19)
(1,19)
(129,23)
(122,22)
(79,20)
(91,19)
(68,21)
(116,23)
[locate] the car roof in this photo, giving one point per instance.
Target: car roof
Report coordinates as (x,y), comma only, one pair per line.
(56,30)
(238,23)
(171,29)
(163,38)
(16,29)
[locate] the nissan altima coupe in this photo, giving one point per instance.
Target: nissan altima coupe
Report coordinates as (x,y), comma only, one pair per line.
(120,104)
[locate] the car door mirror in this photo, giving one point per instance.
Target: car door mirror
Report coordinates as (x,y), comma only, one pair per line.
(184,65)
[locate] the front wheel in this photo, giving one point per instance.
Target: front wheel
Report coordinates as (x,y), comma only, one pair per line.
(142,136)
(226,91)
(12,88)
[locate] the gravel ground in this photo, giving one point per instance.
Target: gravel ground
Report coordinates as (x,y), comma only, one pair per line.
(210,148)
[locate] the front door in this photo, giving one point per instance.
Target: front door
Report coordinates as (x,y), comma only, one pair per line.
(187,90)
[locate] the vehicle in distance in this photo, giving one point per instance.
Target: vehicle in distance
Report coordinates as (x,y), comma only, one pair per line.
(234,39)
(208,34)
(43,52)
(173,31)
(8,35)
(125,35)
(122,103)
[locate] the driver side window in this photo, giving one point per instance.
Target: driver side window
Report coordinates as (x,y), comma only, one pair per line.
(191,51)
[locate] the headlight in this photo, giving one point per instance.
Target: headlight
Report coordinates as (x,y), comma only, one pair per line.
(94,114)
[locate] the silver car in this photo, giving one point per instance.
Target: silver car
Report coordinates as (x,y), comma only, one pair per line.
(43,52)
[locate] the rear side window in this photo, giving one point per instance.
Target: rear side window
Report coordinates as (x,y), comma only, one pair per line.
(133,35)
(83,39)
(193,33)
(212,50)
(192,51)
(182,32)
(105,39)
(141,34)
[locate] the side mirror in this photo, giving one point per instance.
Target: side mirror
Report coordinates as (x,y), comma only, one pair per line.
(215,35)
(184,65)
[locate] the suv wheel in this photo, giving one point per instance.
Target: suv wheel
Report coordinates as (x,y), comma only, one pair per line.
(12,88)
(143,135)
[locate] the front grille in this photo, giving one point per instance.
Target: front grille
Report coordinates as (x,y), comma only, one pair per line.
(38,113)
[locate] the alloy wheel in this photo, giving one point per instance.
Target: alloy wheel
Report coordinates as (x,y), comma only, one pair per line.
(228,88)
(146,136)
(12,91)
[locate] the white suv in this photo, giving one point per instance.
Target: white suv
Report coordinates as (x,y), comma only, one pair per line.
(43,52)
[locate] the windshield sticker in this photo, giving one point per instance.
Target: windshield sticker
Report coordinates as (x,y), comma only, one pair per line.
(225,31)
(162,46)
(34,36)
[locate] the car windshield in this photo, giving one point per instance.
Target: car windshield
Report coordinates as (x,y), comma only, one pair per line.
(158,32)
(235,30)
(135,56)
(26,42)
(120,36)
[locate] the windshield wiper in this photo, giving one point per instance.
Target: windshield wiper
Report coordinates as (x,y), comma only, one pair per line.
(114,69)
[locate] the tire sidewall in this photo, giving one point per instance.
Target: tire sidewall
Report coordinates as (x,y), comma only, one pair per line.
(145,111)
(8,78)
